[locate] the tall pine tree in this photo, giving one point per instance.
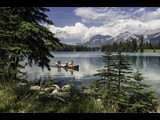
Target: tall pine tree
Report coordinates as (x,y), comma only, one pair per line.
(114,81)
(121,91)
(141,46)
(22,37)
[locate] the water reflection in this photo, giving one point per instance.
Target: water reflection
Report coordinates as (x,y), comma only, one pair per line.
(150,66)
(145,61)
(71,71)
(89,64)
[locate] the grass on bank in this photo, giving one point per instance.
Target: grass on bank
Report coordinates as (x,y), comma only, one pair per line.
(20,99)
(16,98)
(152,50)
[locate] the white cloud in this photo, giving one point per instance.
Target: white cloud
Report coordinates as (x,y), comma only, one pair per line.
(107,15)
(144,15)
(79,32)
(69,34)
(153,24)
(130,25)
(100,14)
(139,11)
(112,22)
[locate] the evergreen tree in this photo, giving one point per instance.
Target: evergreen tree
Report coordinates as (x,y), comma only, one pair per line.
(141,46)
(141,98)
(127,46)
(134,45)
(114,47)
(122,67)
(22,37)
(120,91)
(122,78)
(114,80)
(107,85)
(8,48)
(150,46)
(107,73)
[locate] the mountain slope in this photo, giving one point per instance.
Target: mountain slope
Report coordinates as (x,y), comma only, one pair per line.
(98,40)
(122,37)
(152,36)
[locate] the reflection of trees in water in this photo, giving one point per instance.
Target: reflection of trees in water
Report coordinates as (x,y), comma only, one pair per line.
(91,63)
(144,61)
(71,71)
(95,61)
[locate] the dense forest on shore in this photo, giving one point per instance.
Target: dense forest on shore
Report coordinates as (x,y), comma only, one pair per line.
(128,46)
(120,89)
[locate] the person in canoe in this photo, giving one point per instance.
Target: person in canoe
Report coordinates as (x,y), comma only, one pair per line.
(70,63)
(58,63)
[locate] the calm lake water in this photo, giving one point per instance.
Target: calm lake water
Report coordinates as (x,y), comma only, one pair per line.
(88,64)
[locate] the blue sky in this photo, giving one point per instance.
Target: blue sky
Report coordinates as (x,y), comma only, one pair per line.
(77,24)
(63,16)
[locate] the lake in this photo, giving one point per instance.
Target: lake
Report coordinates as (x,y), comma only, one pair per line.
(88,64)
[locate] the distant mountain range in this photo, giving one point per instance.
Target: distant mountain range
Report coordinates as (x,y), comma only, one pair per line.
(98,40)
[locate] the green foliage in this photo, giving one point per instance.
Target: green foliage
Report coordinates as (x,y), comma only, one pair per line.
(151,50)
(142,99)
(127,46)
(75,48)
(141,46)
(108,73)
(49,82)
(123,68)
(114,79)
(120,91)
(16,98)
(87,105)
(22,36)
(70,83)
(133,46)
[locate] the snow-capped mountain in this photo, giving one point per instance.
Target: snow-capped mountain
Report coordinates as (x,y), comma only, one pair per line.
(152,36)
(122,37)
(98,40)
(149,32)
